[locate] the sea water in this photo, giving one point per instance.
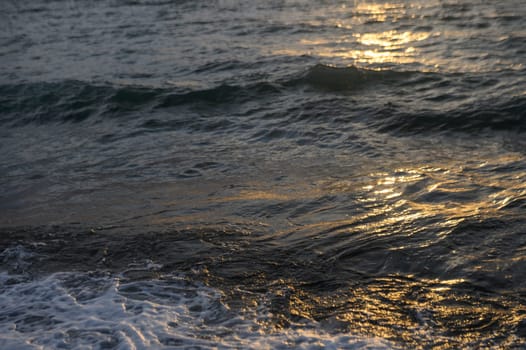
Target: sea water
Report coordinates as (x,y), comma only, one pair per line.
(277,174)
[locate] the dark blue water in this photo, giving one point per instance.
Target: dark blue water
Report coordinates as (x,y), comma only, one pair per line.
(285,174)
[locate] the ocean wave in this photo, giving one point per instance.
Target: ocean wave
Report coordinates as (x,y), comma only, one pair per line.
(219,95)
(349,78)
(503,114)
(100,311)
(69,101)
(429,102)
(76,101)
(156,291)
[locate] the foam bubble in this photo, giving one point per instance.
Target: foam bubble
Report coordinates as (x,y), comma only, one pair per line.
(103,311)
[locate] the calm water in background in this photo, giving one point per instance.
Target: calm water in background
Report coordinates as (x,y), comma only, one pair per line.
(282,174)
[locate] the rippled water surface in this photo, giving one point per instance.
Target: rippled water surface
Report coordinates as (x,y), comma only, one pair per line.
(281,174)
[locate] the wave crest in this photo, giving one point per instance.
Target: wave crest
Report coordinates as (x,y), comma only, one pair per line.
(493,114)
(415,112)
(349,78)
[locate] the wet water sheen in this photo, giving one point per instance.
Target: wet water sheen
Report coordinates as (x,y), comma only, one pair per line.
(286,174)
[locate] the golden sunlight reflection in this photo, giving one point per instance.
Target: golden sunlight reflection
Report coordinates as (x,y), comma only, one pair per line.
(407,200)
(380,11)
(372,56)
(401,307)
(398,308)
(404,201)
(364,43)
(257,195)
(390,39)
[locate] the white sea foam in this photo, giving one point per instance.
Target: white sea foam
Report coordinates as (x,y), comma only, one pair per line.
(17,258)
(100,311)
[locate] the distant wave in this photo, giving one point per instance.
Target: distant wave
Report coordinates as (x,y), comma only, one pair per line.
(503,114)
(220,94)
(68,101)
(348,78)
(76,101)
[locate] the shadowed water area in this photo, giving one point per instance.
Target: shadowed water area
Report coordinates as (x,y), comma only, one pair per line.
(284,174)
